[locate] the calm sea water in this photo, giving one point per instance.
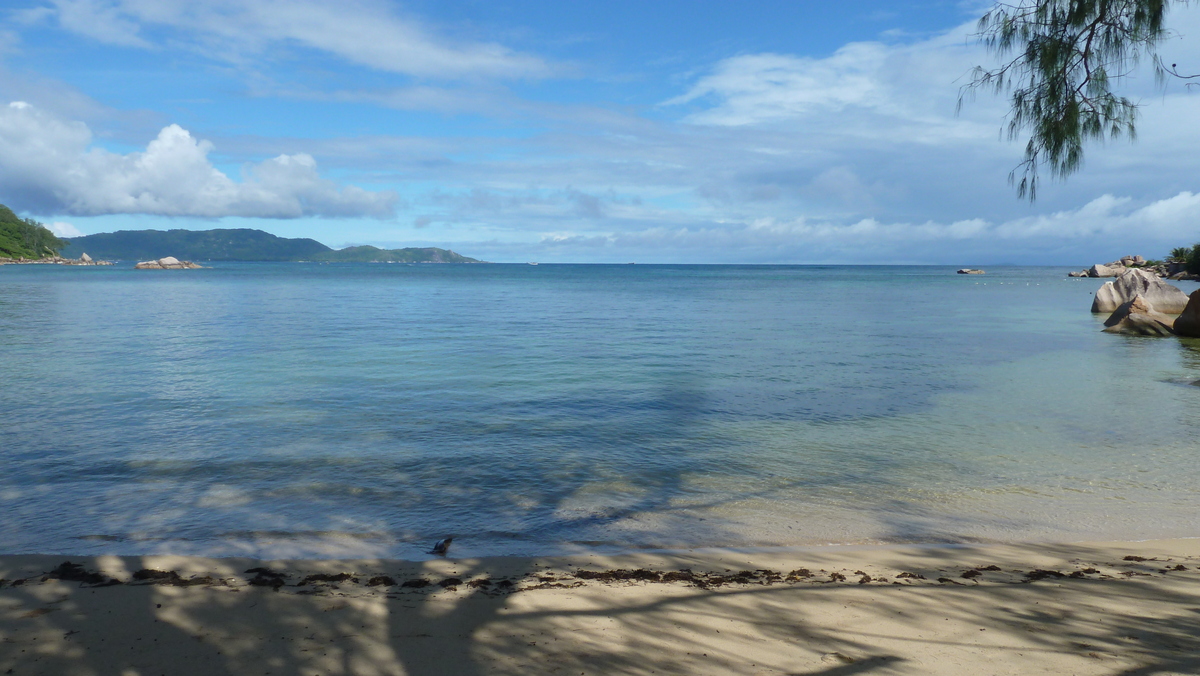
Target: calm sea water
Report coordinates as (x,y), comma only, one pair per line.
(353,410)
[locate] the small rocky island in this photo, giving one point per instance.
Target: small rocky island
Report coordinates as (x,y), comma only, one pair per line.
(168,263)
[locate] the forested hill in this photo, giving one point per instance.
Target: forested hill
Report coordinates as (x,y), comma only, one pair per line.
(242,244)
(25,238)
(370,254)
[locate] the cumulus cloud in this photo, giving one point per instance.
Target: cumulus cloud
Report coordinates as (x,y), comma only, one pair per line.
(64,229)
(365,32)
(49,165)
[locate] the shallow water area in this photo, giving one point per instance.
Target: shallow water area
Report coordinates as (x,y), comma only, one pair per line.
(291,410)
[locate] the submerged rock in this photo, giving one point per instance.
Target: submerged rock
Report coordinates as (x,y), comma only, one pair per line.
(1188,323)
(1162,297)
(1138,318)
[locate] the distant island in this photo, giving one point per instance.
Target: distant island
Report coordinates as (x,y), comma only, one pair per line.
(242,244)
(26,238)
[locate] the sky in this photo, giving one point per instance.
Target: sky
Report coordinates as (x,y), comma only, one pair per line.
(526,130)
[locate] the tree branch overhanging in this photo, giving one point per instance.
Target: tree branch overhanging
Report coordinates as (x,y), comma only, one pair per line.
(1065,56)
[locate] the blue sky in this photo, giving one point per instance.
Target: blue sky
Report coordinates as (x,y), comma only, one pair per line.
(699,132)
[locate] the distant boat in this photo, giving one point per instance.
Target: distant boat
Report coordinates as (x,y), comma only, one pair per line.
(532,263)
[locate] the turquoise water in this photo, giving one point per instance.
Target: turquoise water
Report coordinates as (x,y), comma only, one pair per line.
(361,410)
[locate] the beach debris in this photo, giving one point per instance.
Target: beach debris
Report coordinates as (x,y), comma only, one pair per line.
(381,581)
(1133,557)
(482,582)
(73,572)
(640,574)
(1040,574)
(416,583)
(169,577)
(450,582)
(324,577)
(265,577)
(442,546)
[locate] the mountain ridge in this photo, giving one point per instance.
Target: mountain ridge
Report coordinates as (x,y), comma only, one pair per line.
(240,244)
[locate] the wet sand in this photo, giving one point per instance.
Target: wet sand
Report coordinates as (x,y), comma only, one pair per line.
(1099,608)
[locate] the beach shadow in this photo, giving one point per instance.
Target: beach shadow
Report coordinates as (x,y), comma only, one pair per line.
(563,623)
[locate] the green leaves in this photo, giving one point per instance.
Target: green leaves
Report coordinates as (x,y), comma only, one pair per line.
(1065,56)
(25,237)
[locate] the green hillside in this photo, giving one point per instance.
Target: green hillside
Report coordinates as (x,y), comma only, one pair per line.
(241,244)
(370,254)
(25,237)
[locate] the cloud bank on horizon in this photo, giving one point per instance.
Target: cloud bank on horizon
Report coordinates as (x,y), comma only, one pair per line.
(567,136)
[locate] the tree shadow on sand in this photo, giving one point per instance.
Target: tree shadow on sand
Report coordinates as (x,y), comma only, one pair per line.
(1130,617)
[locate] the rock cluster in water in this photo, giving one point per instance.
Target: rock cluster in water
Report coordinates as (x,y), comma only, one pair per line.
(971,271)
(1188,323)
(1142,304)
(1165,298)
(1172,270)
(168,263)
(53,260)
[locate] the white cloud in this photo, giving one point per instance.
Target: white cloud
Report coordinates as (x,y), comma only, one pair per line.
(365,32)
(49,165)
(64,229)
(1097,231)
(761,87)
(913,82)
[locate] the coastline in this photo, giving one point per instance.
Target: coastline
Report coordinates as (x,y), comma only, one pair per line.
(1081,608)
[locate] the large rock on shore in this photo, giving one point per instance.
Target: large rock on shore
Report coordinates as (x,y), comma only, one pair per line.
(168,263)
(1137,317)
(1163,297)
(1188,323)
(1099,270)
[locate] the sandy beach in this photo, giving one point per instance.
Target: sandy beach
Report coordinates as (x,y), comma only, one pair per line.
(1097,608)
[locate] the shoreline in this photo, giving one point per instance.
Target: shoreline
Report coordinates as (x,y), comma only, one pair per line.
(1082,608)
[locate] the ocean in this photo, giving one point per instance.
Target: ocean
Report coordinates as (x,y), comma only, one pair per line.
(353,410)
